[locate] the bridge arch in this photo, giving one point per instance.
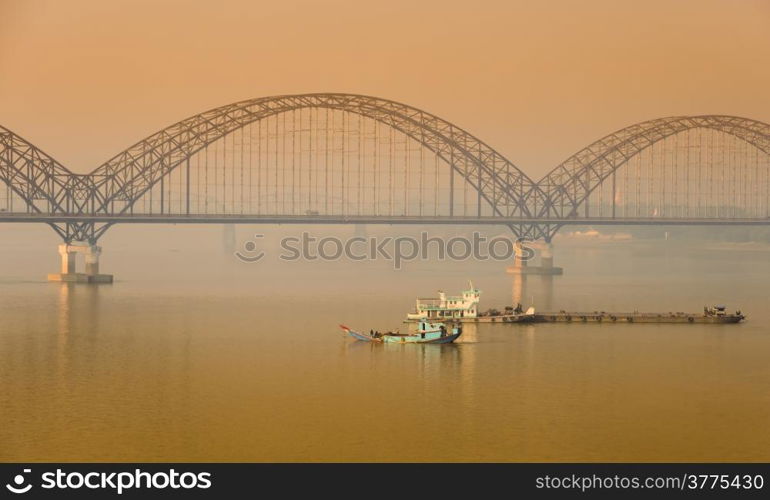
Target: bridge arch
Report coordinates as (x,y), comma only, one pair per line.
(128,176)
(569,185)
(36,178)
(45,186)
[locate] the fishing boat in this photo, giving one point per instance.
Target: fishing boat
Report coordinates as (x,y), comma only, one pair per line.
(426,333)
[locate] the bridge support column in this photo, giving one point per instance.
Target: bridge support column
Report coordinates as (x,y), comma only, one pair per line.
(546,260)
(69,272)
(546,266)
(92,260)
(68,259)
(546,256)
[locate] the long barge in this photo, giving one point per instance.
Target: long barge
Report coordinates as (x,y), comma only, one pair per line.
(605,317)
(638,317)
(611,318)
(464,309)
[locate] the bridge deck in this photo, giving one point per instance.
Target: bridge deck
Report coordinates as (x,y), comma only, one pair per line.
(369,219)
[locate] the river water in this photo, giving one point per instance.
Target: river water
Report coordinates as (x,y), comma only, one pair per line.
(194,356)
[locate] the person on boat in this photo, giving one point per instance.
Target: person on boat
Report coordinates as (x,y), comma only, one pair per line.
(371,333)
(443,331)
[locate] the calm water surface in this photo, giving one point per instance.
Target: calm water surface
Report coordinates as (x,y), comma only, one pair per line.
(196,357)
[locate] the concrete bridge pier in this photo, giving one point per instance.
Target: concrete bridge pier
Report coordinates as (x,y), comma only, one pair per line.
(546,267)
(68,260)
(520,264)
(92,260)
(69,253)
(546,256)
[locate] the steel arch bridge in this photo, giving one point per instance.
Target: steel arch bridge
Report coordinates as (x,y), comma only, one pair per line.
(345,158)
(76,205)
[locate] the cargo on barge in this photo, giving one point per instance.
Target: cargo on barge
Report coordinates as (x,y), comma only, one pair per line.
(710,315)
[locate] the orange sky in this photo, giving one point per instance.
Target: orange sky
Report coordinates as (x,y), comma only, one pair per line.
(83,79)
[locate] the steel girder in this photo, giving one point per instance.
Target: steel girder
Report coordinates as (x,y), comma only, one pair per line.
(535,232)
(80,231)
(49,188)
(40,181)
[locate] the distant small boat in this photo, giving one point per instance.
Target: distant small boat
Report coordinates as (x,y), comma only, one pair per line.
(426,333)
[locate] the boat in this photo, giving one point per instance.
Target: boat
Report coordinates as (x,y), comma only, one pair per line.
(465,309)
(426,333)
(711,315)
(465,305)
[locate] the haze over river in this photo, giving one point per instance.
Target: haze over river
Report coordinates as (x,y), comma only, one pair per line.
(192,355)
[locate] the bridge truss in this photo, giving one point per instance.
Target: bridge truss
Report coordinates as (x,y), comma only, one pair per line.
(351,158)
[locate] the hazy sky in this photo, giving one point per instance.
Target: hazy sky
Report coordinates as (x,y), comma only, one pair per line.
(84,79)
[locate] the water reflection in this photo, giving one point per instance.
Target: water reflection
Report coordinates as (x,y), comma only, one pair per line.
(470,334)
(236,371)
(64,326)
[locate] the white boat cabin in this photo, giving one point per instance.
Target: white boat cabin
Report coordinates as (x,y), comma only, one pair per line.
(447,306)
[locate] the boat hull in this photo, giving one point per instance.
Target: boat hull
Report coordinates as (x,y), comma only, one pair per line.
(415,339)
(360,336)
